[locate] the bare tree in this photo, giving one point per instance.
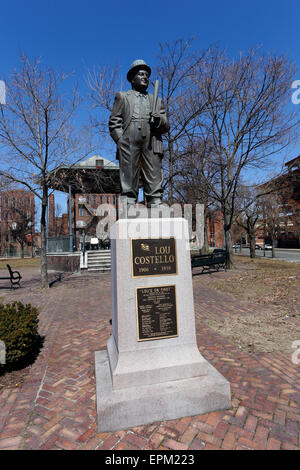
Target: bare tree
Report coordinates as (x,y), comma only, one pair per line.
(272,217)
(248,214)
(22,225)
(246,119)
(176,69)
(103,82)
(234,109)
(190,186)
(37,135)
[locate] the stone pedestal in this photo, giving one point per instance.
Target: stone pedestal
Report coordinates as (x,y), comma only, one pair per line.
(153,371)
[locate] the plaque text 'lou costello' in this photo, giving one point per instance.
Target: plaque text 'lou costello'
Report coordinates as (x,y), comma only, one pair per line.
(156,312)
(153,256)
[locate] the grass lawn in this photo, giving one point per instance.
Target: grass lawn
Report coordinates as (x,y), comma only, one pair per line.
(265,281)
(274,287)
(19,262)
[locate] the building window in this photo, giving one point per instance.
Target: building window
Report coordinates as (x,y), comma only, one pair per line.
(99,163)
(115,200)
(88,199)
(6,201)
(107,199)
(81,212)
(94,198)
(101,199)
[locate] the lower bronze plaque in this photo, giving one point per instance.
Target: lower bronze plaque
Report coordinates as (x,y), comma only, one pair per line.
(156,312)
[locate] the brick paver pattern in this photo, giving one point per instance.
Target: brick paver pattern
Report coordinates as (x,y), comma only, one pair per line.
(56,406)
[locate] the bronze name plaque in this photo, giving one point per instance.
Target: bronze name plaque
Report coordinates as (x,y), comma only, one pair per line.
(153,256)
(156,312)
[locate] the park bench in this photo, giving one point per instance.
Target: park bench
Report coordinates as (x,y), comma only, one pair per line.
(14,277)
(215,260)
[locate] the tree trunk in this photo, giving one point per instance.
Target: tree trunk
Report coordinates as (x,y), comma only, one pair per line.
(205,249)
(252,244)
(273,237)
(44,270)
(228,237)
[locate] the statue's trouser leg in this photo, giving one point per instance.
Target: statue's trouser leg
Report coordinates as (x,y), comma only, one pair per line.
(152,175)
(129,157)
(137,158)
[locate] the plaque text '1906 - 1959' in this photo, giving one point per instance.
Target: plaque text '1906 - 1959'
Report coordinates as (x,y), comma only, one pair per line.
(153,256)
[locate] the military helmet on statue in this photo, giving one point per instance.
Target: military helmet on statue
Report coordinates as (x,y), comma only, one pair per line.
(135,66)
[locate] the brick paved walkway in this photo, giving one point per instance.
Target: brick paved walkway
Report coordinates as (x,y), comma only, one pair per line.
(55,408)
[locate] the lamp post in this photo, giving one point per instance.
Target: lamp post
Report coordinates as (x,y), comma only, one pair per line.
(30,225)
(14,227)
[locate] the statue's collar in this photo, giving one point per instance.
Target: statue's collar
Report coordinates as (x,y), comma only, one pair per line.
(139,93)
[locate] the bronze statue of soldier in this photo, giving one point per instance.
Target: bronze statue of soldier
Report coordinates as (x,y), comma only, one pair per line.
(136,124)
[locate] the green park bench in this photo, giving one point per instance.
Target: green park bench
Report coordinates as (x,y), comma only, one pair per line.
(215,260)
(14,277)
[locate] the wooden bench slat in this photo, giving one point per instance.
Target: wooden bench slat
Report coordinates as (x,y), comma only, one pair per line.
(218,258)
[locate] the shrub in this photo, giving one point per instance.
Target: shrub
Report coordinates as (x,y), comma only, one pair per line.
(19,331)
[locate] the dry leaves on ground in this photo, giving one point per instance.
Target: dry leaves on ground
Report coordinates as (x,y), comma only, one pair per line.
(267,332)
(274,286)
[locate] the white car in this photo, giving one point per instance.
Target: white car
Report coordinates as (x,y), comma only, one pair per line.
(267,247)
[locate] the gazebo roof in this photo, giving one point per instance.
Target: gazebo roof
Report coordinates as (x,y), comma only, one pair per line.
(93,175)
(93,162)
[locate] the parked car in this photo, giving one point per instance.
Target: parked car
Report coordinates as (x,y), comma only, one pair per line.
(259,247)
(268,247)
(236,245)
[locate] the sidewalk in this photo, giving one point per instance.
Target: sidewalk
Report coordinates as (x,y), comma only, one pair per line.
(55,408)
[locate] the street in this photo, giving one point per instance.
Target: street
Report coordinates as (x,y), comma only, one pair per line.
(286,254)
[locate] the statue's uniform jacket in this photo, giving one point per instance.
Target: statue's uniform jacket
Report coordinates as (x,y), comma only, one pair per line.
(138,153)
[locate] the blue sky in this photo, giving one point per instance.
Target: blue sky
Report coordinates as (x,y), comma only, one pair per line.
(72,34)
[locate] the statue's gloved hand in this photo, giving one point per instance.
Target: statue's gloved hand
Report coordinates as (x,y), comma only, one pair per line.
(154,120)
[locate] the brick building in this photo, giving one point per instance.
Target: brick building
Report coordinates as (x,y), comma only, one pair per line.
(88,210)
(215,229)
(17,222)
(88,184)
(288,189)
(283,210)
(57,225)
(86,213)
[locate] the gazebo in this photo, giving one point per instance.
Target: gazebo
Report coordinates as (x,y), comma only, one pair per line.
(93,175)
